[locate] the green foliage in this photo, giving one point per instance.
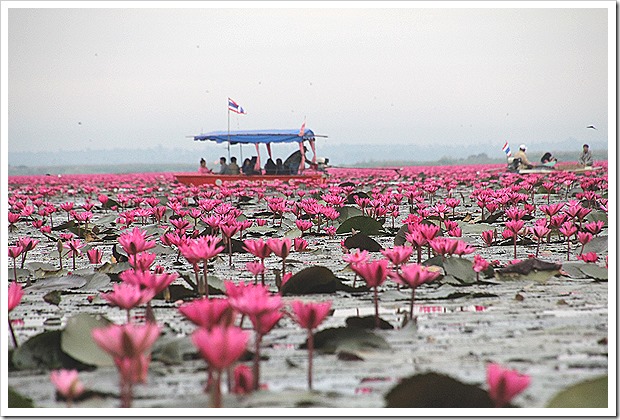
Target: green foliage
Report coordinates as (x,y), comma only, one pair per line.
(587,394)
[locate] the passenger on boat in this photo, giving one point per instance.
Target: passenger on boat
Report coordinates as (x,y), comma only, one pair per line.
(247,167)
(270,167)
(548,160)
(280,168)
(233,168)
(223,166)
(294,160)
(524,162)
(585,158)
(203,167)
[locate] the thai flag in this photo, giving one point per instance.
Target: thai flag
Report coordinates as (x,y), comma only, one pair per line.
(506,150)
(235,107)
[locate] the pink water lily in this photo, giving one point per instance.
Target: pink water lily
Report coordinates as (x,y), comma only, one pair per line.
(135,241)
(413,275)
(374,274)
(505,384)
(208,313)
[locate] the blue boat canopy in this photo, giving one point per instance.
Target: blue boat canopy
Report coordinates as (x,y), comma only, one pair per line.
(258,136)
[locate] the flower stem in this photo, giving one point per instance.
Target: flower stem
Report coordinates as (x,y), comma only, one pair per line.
(205,285)
(310,353)
(13,334)
(256,367)
(376,296)
(217,391)
(411,304)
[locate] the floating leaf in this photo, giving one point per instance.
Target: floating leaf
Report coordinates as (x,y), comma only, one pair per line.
(475,228)
(315,279)
(53,297)
(77,342)
(96,281)
(460,268)
(17,400)
(59,283)
(598,244)
(434,390)
(594,271)
(367,322)
(180,292)
(363,243)
(173,350)
(21,273)
(346,212)
(106,220)
(363,224)
(349,339)
(596,215)
(43,351)
(401,238)
(587,394)
(292,233)
(529,269)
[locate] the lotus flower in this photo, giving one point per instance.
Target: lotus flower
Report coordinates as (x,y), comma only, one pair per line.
(374,274)
(505,384)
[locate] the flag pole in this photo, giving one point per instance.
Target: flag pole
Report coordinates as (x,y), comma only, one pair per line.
(228,133)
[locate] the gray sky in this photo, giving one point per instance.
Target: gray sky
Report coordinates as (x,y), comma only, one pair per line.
(107,78)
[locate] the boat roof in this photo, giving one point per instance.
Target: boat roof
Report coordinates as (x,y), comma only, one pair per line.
(258,136)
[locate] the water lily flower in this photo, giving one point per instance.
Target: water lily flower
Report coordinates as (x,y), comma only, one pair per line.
(67,384)
(207,313)
(505,384)
(309,316)
(374,274)
(413,275)
(242,380)
(135,241)
(220,347)
(589,257)
(127,296)
(281,247)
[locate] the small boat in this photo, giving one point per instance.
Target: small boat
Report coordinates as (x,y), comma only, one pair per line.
(567,167)
(266,137)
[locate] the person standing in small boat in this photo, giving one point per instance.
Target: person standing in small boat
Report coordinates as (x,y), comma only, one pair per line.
(524,162)
(280,168)
(203,167)
(233,168)
(585,159)
(548,160)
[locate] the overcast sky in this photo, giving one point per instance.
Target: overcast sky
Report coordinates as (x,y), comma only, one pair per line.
(108,78)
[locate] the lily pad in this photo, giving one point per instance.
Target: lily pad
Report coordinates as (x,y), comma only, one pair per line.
(460,268)
(362,242)
(594,271)
(401,238)
(17,400)
(59,283)
(587,394)
(347,339)
(315,279)
(475,228)
(77,342)
(53,297)
(367,322)
(364,224)
(43,351)
(596,215)
(346,212)
(598,244)
(434,390)
(21,273)
(531,269)
(173,350)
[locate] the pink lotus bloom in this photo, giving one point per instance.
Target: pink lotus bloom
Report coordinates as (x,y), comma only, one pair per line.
(310,315)
(15,293)
(202,249)
(488,236)
(135,241)
(594,227)
(94,255)
(356,256)
(67,383)
(584,237)
(133,369)
(398,255)
(128,340)
(300,244)
(255,267)
(243,380)
(207,313)
(103,199)
(142,261)
(429,231)
(330,230)
(13,218)
(280,246)
(257,247)
(590,257)
(515,226)
(220,346)
(127,296)
(303,225)
(74,246)
(413,275)
(27,243)
(373,272)
(146,279)
(505,384)
(480,264)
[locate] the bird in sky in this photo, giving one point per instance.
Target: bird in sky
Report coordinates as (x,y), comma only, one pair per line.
(592,127)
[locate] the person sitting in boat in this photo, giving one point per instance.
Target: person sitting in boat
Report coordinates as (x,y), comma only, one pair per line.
(247,167)
(585,159)
(548,160)
(203,167)
(233,168)
(280,168)
(223,166)
(294,160)
(270,167)
(524,162)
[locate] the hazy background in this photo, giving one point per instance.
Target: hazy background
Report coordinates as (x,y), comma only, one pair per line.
(381,83)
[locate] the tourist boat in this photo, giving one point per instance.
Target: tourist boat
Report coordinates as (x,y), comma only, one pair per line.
(257,137)
(566,167)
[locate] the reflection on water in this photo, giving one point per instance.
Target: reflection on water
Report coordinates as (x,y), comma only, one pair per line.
(421,309)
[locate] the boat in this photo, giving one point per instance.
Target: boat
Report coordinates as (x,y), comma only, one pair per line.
(257,137)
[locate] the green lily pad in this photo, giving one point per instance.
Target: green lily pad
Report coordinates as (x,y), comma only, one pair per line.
(316,279)
(21,273)
(59,283)
(292,233)
(596,215)
(53,297)
(362,242)
(364,224)
(460,268)
(347,339)
(598,244)
(17,400)
(401,238)
(347,212)
(43,351)
(173,350)
(475,228)
(434,390)
(587,394)
(77,342)
(594,271)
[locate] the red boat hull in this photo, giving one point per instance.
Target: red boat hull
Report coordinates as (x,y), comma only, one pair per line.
(195,179)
